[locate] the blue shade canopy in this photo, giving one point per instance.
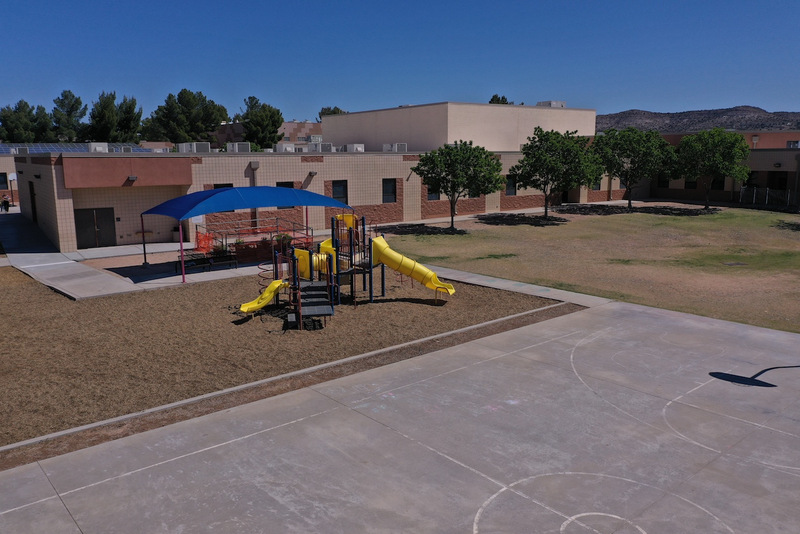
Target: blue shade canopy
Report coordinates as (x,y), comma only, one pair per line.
(239,198)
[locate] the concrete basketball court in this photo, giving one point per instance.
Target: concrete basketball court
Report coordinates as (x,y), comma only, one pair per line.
(606,420)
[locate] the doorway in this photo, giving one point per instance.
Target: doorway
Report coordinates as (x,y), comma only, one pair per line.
(34,217)
(94,227)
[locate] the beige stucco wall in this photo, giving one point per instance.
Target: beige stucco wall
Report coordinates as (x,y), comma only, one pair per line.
(505,128)
(426,127)
(421,127)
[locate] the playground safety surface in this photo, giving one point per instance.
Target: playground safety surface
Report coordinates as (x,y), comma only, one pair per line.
(603,420)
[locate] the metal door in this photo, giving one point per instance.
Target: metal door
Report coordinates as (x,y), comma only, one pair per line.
(95,227)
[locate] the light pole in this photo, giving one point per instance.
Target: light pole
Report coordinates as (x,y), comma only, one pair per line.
(11,181)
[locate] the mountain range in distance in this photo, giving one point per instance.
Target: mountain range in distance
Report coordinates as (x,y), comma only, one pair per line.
(739,118)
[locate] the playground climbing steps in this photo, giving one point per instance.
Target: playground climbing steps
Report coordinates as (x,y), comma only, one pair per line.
(314,302)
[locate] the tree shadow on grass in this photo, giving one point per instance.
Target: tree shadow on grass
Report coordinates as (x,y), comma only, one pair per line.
(787,225)
(421,229)
(602,209)
(520,219)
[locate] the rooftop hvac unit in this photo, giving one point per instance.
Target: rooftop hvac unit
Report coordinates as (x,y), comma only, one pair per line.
(315,138)
(284,147)
(358,147)
(320,147)
(127,149)
(98,147)
(19,150)
(395,147)
(238,147)
(194,147)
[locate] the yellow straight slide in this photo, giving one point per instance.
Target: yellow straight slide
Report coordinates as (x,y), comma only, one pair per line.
(265,297)
(382,253)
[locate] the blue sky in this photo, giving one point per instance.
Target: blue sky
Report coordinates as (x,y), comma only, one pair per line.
(359,55)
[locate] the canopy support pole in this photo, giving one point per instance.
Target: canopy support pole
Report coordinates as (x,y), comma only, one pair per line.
(144,245)
(183,265)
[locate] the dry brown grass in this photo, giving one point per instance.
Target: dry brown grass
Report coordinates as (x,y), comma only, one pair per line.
(68,363)
(732,264)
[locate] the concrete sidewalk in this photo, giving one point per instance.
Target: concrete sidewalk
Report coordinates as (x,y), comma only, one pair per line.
(605,420)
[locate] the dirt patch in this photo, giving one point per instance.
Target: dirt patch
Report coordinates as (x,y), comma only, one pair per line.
(72,363)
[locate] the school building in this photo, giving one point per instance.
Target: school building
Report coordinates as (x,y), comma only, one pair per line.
(90,199)
(94,198)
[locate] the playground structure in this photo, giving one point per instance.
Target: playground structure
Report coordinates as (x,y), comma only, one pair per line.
(314,280)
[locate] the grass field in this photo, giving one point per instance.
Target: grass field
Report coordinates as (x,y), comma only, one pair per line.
(733,264)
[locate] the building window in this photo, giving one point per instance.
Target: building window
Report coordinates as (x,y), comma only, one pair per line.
(663,180)
(690,183)
(286,138)
(752,180)
(777,180)
(596,186)
(3,180)
(340,191)
(718,184)
(433,196)
(792,144)
(287,185)
(389,190)
(511,187)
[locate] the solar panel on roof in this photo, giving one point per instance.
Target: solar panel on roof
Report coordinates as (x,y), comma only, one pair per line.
(41,148)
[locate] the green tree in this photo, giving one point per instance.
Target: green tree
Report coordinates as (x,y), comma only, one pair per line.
(261,123)
(43,126)
(553,162)
(103,118)
(711,156)
(336,110)
(25,124)
(129,121)
(67,115)
(459,170)
(184,118)
(497,99)
(633,155)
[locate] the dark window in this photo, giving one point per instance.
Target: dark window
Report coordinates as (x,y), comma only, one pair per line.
(792,144)
(596,186)
(752,180)
(690,183)
(718,184)
(777,179)
(3,180)
(511,187)
(389,190)
(433,196)
(287,185)
(340,191)
(663,181)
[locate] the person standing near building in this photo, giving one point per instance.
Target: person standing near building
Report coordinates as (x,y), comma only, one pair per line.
(6,203)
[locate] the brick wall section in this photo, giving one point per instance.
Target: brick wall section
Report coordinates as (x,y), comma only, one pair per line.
(596,196)
(375,213)
(385,213)
(433,209)
(411,157)
(312,159)
(520,202)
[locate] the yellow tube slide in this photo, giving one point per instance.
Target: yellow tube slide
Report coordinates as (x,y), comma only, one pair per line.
(305,259)
(382,253)
(265,297)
